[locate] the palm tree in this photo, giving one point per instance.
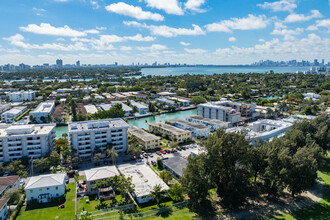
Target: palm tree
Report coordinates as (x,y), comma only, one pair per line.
(157,193)
(112,153)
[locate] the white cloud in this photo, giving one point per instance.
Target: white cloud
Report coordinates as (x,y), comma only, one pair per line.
(248,23)
(61,0)
(197,51)
(39,11)
(261,40)
(100,28)
(169,6)
(281,29)
(133,11)
(232,39)
(282,5)
(194,5)
(167,31)
(18,41)
(95,4)
(320,23)
(92,31)
(154,47)
(125,48)
(47,29)
(185,43)
(301,17)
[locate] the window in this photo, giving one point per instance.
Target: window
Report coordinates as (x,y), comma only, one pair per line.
(31,191)
(47,188)
(56,187)
(56,194)
(31,197)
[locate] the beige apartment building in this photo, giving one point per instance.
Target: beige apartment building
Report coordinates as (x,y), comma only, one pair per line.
(172,132)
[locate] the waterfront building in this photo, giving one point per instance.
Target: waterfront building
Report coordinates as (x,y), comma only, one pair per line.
(144,180)
(149,141)
(32,141)
(43,111)
(20,96)
(141,107)
(128,110)
(181,102)
(198,130)
(10,115)
(44,188)
(99,174)
(166,102)
(85,136)
(214,124)
(170,131)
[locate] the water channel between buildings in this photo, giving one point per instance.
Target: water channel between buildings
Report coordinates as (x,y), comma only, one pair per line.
(142,122)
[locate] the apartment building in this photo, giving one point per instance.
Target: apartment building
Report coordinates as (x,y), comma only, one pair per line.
(172,132)
(128,110)
(214,124)
(4,107)
(222,113)
(33,141)
(10,115)
(85,136)
(43,111)
(248,111)
(149,141)
(141,107)
(166,101)
(21,96)
(198,130)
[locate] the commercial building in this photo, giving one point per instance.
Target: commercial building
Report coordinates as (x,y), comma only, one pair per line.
(44,188)
(142,108)
(21,96)
(214,124)
(170,131)
(3,208)
(33,141)
(144,180)
(86,135)
(149,141)
(9,182)
(222,113)
(99,174)
(175,165)
(264,129)
(128,110)
(43,111)
(4,107)
(10,115)
(198,130)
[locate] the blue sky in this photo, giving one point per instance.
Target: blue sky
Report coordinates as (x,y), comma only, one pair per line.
(175,31)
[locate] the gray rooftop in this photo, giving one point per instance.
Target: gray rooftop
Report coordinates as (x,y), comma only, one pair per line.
(187,123)
(46,181)
(143,135)
(125,107)
(208,120)
(97,124)
(177,164)
(101,173)
(170,128)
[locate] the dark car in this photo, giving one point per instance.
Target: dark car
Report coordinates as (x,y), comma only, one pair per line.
(179,149)
(159,153)
(145,155)
(153,163)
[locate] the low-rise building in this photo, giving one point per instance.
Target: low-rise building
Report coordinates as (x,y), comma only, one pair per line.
(175,165)
(141,107)
(144,180)
(214,124)
(32,141)
(311,95)
(198,130)
(181,102)
(9,182)
(4,208)
(99,174)
(21,96)
(44,188)
(86,135)
(128,110)
(43,111)
(10,115)
(91,109)
(166,94)
(170,131)
(166,101)
(4,107)
(264,129)
(149,141)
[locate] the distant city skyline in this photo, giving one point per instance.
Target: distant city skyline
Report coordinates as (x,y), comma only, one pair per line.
(169,31)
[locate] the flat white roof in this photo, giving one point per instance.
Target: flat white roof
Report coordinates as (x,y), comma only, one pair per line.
(97,124)
(15,110)
(138,105)
(101,173)
(46,181)
(125,107)
(90,109)
(44,107)
(143,178)
(19,130)
(170,128)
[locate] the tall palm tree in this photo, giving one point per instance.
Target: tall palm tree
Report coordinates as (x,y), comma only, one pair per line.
(112,153)
(157,193)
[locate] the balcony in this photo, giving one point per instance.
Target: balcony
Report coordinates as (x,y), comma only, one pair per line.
(14,142)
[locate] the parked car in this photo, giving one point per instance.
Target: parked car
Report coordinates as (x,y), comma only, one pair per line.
(145,155)
(179,149)
(150,155)
(21,183)
(163,151)
(153,163)
(159,153)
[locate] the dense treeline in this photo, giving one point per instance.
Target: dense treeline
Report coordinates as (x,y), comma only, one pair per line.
(74,72)
(237,170)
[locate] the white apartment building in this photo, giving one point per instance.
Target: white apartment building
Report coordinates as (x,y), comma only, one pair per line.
(214,124)
(142,108)
(10,115)
(311,95)
(21,96)
(248,111)
(33,141)
(222,113)
(87,135)
(45,187)
(128,110)
(198,130)
(42,111)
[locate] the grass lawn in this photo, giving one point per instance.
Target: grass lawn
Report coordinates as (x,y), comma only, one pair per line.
(320,210)
(95,205)
(50,210)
